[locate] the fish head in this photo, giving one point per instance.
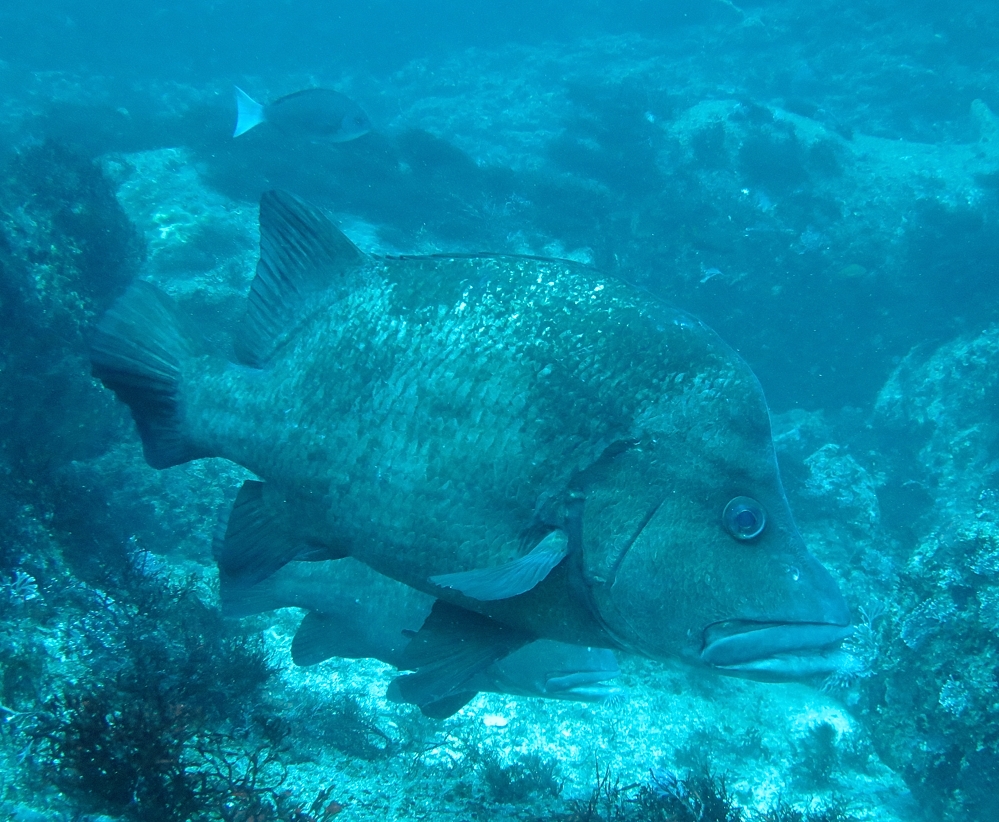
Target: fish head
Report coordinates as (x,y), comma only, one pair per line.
(691,549)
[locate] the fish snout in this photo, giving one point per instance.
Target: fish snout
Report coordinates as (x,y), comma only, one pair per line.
(814,595)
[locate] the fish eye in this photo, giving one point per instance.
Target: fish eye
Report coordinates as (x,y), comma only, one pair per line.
(744,518)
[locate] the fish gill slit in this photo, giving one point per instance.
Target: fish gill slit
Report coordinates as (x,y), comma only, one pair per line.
(631,541)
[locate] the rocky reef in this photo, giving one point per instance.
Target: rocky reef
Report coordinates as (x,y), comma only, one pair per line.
(826,196)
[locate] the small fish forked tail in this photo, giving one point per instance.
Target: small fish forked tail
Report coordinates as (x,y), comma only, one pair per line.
(249,112)
(139,351)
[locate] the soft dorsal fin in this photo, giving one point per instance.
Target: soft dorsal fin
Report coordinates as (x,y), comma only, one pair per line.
(255,542)
(317,639)
(301,254)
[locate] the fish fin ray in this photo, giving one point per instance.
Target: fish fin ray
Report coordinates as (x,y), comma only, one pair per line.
(249,113)
(255,543)
(448,706)
(317,640)
(139,351)
(301,254)
(439,709)
(451,647)
(512,578)
(238,598)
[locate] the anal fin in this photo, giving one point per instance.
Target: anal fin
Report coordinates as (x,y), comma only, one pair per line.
(441,709)
(239,598)
(255,543)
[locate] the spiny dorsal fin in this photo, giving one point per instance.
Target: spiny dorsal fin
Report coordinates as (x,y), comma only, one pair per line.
(301,254)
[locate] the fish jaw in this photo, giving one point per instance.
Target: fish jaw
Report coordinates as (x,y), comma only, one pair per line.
(773,650)
(795,642)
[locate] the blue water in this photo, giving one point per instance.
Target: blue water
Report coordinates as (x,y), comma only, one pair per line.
(817,181)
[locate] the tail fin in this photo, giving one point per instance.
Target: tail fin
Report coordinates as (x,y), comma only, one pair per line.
(138,351)
(249,112)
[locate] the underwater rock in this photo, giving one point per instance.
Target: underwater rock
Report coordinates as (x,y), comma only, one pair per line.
(935,704)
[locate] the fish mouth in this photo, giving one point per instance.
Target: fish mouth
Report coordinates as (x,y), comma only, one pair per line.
(774,650)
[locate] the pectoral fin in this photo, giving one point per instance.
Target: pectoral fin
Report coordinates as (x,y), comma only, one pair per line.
(512,578)
(452,646)
(449,706)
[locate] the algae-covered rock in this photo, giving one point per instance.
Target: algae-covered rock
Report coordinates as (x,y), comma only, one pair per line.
(66,250)
(937,720)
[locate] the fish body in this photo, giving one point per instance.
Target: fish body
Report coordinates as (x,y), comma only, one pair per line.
(356,613)
(526,439)
(318,114)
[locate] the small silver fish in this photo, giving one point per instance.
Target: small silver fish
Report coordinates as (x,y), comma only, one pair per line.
(317,114)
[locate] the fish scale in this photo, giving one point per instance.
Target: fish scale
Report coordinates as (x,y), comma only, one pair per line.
(411,386)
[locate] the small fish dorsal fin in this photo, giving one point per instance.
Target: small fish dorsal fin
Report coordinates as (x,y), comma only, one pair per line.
(301,254)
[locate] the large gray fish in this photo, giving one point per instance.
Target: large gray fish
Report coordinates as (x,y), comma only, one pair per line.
(317,114)
(525,438)
(354,613)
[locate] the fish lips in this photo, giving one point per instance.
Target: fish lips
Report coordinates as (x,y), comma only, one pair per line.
(773,650)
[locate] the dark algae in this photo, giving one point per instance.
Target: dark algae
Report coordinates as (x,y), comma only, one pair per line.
(668,797)
(597,421)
